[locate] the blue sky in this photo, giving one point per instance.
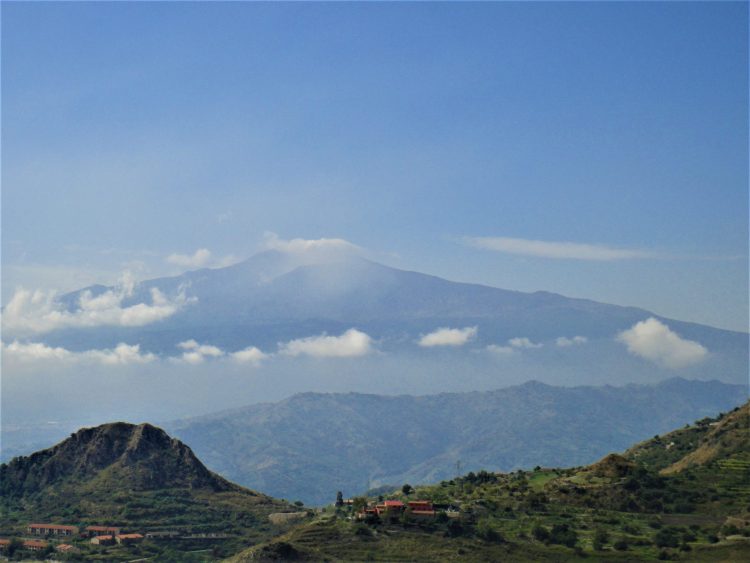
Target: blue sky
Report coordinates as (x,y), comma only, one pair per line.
(421,132)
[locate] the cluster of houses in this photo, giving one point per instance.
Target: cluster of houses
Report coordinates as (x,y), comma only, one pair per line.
(98,535)
(390,510)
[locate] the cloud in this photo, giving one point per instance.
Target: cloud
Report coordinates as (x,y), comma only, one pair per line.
(36,351)
(501,350)
(564,341)
(34,312)
(448,337)
(524,342)
(196,353)
(251,355)
(202,258)
(271,241)
(350,344)
(558,250)
(653,340)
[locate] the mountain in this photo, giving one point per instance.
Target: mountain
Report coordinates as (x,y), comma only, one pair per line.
(134,476)
(617,509)
(311,445)
(276,296)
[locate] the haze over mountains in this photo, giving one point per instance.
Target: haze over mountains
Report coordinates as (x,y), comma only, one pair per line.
(319,318)
(311,445)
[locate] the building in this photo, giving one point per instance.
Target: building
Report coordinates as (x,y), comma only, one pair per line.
(51,530)
(35,545)
(92,531)
(4,543)
(421,509)
(390,509)
(129,539)
(103,540)
(66,548)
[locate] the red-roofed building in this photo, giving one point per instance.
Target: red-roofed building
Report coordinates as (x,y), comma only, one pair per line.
(102,531)
(421,509)
(390,509)
(51,530)
(127,539)
(66,548)
(35,545)
(4,544)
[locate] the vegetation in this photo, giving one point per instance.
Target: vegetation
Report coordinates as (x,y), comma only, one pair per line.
(616,509)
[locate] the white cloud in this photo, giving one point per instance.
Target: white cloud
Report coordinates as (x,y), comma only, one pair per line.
(271,241)
(199,259)
(202,258)
(524,342)
(196,353)
(34,312)
(501,350)
(36,351)
(653,340)
(448,337)
(251,354)
(564,341)
(350,344)
(558,250)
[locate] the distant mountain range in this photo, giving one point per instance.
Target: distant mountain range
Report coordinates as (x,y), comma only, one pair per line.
(311,445)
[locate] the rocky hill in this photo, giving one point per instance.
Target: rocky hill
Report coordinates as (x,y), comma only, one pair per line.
(134,476)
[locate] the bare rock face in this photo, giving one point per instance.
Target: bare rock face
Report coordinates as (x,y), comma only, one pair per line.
(139,457)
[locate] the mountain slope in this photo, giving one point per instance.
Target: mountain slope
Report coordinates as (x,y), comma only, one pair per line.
(613,510)
(275,296)
(134,476)
(311,445)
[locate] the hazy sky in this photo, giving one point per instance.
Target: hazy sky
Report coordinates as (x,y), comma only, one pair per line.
(465,140)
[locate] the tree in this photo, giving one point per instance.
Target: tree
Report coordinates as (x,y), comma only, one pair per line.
(339,499)
(407,489)
(359,503)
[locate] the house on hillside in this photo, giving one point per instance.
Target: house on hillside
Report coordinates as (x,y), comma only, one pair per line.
(66,548)
(4,543)
(389,509)
(129,539)
(51,530)
(35,545)
(421,509)
(103,540)
(92,531)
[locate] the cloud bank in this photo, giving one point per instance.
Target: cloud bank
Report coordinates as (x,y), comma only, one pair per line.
(352,343)
(35,312)
(557,250)
(653,340)
(122,354)
(448,337)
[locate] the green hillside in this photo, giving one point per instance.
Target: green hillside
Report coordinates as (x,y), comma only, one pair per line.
(140,479)
(617,509)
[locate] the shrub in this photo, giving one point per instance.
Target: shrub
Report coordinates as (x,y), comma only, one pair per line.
(540,533)
(621,545)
